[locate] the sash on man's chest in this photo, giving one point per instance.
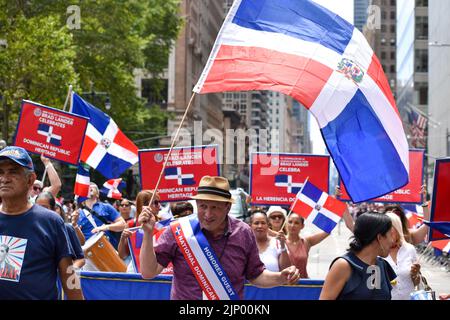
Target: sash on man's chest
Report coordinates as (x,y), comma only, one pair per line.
(202,260)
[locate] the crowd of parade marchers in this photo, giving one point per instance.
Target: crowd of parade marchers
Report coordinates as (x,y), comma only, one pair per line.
(266,249)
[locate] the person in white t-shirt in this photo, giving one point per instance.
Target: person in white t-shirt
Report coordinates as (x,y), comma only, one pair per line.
(272,250)
(403,259)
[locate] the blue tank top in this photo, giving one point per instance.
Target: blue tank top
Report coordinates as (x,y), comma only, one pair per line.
(360,287)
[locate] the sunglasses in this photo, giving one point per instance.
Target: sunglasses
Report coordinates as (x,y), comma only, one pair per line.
(124,205)
(276,217)
(36,188)
(154,203)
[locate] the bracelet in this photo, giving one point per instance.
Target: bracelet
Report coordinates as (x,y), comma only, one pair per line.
(424,204)
(283,249)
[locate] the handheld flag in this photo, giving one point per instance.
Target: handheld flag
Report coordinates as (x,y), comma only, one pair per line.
(414,214)
(317,206)
(301,49)
(443,227)
(112,187)
(82,182)
(105,147)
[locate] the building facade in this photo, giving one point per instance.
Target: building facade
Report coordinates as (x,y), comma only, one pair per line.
(439,78)
(381,33)
(360,13)
(412,65)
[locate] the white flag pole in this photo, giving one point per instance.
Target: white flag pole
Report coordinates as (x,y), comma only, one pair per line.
(171,148)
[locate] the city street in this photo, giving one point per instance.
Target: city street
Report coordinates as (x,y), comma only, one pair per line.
(321,256)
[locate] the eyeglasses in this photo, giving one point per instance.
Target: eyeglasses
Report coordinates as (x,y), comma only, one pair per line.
(276,217)
(155,202)
(124,205)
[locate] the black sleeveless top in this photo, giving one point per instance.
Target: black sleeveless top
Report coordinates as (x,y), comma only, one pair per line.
(367,282)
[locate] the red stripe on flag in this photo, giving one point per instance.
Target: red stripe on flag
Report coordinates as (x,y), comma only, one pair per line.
(302,209)
(81,189)
(335,206)
(123,141)
(440,244)
(238,68)
(377,74)
(88,147)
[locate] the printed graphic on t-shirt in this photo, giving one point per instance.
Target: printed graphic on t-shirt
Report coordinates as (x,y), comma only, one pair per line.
(12,251)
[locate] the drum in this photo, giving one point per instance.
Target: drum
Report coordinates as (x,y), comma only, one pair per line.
(102,254)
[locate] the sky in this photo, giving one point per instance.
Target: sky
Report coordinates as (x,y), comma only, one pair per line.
(345,9)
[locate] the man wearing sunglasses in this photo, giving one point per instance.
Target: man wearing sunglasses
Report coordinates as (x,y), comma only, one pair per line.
(55,182)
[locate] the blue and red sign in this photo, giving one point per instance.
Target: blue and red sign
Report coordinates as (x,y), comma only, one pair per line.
(410,193)
(184,169)
(440,205)
(54,133)
(276,178)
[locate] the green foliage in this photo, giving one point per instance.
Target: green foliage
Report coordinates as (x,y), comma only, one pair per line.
(115,37)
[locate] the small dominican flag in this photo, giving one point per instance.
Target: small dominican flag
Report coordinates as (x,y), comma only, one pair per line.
(47,131)
(414,214)
(112,187)
(82,182)
(285,181)
(315,205)
(174,173)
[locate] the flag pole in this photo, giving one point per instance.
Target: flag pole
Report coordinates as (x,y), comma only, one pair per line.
(44,176)
(293,205)
(171,148)
(69,93)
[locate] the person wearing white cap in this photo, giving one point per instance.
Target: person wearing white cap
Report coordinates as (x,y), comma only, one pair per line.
(276,216)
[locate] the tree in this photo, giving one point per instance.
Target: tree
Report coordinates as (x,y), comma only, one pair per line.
(35,63)
(114,39)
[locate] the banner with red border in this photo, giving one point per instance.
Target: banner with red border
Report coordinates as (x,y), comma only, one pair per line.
(410,193)
(440,204)
(276,178)
(52,132)
(184,169)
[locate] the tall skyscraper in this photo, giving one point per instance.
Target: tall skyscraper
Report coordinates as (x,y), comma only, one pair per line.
(360,13)
(438,74)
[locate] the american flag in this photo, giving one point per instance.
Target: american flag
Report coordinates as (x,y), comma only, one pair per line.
(418,124)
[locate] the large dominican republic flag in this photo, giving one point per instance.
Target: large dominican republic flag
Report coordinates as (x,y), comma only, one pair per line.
(301,49)
(317,206)
(105,148)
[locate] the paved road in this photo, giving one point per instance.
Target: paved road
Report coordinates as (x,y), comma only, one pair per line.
(321,256)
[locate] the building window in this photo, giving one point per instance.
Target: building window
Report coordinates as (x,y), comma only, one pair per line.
(392,28)
(383,55)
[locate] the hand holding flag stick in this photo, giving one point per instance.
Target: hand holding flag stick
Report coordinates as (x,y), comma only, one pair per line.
(171,148)
(293,205)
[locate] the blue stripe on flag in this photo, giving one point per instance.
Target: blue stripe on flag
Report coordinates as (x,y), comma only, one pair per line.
(302,19)
(172,171)
(296,190)
(55,142)
(324,223)
(43,127)
(112,165)
(82,171)
(97,118)
(281,178)
(188,182)
(363,152)
(311,191)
